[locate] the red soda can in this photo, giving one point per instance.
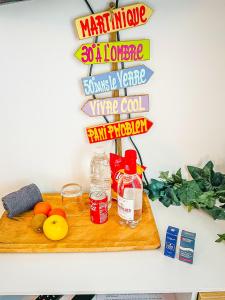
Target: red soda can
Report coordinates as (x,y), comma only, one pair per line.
(98,207)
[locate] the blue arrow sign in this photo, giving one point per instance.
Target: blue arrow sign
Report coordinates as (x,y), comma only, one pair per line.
(116,80)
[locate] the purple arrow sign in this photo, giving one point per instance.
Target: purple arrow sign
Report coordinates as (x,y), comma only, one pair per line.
(117,105)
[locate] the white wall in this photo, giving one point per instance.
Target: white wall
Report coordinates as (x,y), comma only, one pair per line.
(41,125)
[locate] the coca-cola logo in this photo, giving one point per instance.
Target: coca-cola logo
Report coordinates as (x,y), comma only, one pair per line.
(119,174)
(93,207)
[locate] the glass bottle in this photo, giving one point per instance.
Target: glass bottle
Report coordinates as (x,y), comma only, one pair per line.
(100,177)
(130,192)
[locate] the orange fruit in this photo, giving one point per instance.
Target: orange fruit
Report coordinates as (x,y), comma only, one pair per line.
(42,208)
(57,211)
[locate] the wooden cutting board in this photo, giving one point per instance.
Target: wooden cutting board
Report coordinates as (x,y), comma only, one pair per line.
(16,235)
(211,296)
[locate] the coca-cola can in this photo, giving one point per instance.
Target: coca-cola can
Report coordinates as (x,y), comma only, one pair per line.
(98,207)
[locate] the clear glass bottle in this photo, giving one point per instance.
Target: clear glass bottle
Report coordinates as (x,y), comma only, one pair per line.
(130,192)
(100,177)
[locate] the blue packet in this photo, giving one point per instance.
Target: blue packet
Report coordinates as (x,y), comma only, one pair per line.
(171,241)
(187,245)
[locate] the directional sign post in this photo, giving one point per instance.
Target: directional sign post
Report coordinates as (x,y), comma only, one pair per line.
(116,80)
(117,105)
(107,21)
(117,130)
(101,53)
(112,21)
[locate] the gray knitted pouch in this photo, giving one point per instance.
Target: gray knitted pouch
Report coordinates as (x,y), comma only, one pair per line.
(22,200)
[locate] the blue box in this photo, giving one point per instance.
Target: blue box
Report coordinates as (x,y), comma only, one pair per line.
(171,241)
(187,245)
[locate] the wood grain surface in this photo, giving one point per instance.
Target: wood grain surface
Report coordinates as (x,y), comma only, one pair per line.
(16,235)
(211,296)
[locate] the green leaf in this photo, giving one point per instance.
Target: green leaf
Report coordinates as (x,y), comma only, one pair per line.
(179,173)
(156,185)
(216,212)
(155,188)
(168,197)
(217,179)
(170,193)
(220,193)
(208,170)
(164,175)
(203,176)
(177,178)
(188,192)
(221,238)
(207,200)
(207,186)
(196,173)
(165,200)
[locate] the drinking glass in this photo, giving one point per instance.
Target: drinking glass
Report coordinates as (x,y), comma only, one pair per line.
(71,194)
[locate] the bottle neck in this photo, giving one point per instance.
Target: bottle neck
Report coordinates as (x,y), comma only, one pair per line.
(131,168)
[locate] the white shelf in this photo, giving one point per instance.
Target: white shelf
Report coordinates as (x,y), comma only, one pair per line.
(123,272)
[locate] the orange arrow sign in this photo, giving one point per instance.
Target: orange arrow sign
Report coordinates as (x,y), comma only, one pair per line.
(106,22)
(117,130)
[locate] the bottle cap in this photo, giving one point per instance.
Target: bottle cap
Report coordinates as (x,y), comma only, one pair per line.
(130,166)
(131,154)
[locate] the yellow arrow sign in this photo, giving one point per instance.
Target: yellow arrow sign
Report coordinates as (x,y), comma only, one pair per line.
(106,22)
(101,53)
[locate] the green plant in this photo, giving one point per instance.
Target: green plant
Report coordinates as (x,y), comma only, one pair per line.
(205,191)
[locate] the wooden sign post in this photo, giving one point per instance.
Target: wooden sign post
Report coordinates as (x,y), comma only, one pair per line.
(124,51)
(118,130)
(115,93)
(116,105)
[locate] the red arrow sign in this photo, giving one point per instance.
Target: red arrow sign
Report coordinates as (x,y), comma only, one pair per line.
(117,130)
